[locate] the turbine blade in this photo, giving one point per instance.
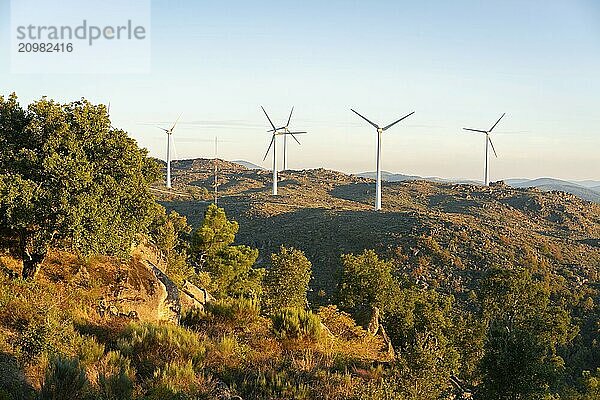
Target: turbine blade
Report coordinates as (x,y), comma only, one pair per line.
(394,123)
(290,118)
(365,118)
(108,110)
(162,129)
(176,121)
(497,122)
(496,154)
(474,130)
(271,122)
(269,149)
(275,130)
(295,137)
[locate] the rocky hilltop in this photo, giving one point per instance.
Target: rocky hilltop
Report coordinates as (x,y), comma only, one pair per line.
(444,234)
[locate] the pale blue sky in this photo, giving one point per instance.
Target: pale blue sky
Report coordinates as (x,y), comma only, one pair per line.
(458,63)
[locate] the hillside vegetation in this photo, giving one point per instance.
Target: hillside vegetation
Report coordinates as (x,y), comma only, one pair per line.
(443,235)
(112,287)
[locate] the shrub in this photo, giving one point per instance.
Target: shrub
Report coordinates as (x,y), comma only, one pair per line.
(13,384)
(151,346)
(242,310)
(227,346)
(177,380)
(116,377)
(228,314)
(64,379)
(118,386)
(32,342)
(376,390)
(89,350)
(275,385)
(296,323)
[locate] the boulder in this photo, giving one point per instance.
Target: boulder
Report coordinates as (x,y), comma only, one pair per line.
(137,290)
(191,296)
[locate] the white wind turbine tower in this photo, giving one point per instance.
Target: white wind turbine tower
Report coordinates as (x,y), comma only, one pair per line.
(169,133)
(378,176)
(277,132)
(285,130)
(488,143)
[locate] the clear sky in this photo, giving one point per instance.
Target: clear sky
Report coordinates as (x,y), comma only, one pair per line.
(455,63)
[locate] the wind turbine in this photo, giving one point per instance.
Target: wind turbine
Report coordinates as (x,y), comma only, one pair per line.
(169,132)
(284,131)
(488,142)
(378,176)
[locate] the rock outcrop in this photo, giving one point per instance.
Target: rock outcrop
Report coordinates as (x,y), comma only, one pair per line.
(192,296)
(376,328)
(141,290)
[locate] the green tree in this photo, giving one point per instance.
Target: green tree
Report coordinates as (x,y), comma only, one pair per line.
(524,328)
(367,282)
(231,268)
(421,326)
(286,280)
(215,233)
(68,179)
(170,233)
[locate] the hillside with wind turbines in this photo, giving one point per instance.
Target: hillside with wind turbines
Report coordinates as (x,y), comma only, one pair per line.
(447,234)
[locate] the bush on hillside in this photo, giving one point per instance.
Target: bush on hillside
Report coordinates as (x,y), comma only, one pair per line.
(178,381)
(295,323)
(151,347)
(64,379)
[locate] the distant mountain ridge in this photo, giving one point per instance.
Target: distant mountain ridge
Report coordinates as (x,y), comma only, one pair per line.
(591,184)
(588,190)
(552,184)
(394,177)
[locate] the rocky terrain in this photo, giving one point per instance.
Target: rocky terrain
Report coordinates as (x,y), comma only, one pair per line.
(445,234)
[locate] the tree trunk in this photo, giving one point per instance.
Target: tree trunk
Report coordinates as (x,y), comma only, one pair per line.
(31,259)
(31,265)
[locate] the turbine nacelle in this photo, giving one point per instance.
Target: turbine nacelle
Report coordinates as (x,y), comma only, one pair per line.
(487,133)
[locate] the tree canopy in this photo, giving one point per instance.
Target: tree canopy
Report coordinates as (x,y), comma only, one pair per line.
(287,279)
(230,268)
(68,179)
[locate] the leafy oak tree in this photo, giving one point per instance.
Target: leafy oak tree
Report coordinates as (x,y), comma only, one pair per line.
(286,280)
(70,180)
(367,282)
(524,328)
